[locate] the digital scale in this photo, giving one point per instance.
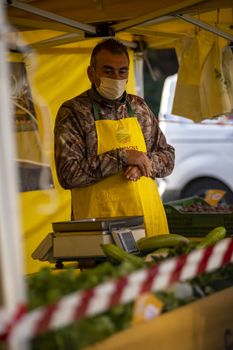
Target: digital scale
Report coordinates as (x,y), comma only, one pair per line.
(80,240)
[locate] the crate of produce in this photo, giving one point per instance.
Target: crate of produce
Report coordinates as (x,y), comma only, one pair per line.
(195,217)
(204,324)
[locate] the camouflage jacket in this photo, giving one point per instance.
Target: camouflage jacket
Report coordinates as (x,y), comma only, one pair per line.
(76,159)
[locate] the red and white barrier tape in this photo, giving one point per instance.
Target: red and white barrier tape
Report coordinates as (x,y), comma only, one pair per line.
(78,305)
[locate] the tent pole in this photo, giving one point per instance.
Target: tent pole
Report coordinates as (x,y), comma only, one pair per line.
(46,14)
(205,26)
(12,281)
(138,67)
(154,15)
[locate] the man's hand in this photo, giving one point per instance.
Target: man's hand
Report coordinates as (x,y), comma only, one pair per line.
(141,160)
(132,173)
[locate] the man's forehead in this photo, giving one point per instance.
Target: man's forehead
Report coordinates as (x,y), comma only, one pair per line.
(107,58)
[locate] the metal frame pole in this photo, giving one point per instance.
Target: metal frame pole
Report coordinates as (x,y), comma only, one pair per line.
(11,262)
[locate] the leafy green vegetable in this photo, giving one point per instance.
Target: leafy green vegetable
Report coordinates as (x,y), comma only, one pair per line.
(48,286)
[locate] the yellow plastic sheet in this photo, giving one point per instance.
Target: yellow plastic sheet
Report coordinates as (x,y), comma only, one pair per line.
(202,90)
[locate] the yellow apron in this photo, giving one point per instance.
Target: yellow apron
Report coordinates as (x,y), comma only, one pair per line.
(115,195)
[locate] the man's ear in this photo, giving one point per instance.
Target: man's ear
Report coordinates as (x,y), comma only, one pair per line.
(91,74)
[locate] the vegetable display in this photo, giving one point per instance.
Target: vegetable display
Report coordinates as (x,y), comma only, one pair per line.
(48,286)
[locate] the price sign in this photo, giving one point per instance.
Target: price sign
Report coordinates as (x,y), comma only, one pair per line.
(213,197)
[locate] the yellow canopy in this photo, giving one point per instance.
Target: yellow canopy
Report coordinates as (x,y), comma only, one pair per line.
(158,23)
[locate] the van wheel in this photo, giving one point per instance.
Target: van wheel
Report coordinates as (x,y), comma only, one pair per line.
(199,187)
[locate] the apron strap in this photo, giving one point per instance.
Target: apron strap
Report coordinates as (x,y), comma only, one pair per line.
(97,115)
(95,110)
(130,111)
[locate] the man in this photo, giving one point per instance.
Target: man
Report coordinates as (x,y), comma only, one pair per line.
(109,148)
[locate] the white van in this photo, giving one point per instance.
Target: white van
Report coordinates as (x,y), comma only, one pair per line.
(204,152)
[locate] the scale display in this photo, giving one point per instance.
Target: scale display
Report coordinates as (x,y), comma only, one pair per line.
(124,239)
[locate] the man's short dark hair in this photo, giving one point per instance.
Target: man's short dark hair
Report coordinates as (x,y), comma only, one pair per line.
(112,45)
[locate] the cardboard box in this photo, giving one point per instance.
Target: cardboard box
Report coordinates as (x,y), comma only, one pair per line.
(202,325)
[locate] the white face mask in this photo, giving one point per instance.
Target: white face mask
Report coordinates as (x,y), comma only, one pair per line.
(111,88)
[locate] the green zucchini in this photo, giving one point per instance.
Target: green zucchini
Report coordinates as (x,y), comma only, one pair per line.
(149,244)
(117,254)
(212,237)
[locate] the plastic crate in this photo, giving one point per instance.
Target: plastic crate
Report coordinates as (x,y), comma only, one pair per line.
(196,224)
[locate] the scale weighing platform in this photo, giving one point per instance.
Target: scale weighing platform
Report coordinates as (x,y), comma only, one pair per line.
(80,240)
